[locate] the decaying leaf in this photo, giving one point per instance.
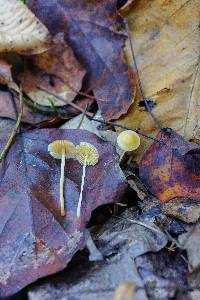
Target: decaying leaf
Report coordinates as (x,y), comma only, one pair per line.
(6,75)
(120,242)
(20,30)
(35,241)
(55,71)
(186,210)
(162,274)
(190,241)
(165,37)
(172,169)
(91,29)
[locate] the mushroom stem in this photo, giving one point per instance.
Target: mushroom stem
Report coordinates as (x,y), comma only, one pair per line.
(62,201)
(81,192)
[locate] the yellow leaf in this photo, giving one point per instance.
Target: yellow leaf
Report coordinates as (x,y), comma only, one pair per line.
(166,40)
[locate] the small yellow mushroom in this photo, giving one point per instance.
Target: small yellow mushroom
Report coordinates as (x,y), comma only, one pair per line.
(128,140)
(87,155)
(62,149)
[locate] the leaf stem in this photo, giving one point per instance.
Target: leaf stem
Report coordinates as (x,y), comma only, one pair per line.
(148,136)
(15,129)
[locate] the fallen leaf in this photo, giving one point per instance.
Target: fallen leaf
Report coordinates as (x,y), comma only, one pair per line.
(166,44)
(35,240)
(186,210)
(172,169)
(121,242)
(162,274)
(82,123)
(54,71)
(91,29)
(6,75)
(190,241)
(20,30)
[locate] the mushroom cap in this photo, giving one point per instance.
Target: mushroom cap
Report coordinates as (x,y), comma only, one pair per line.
(56,147)
(88,151)
(20,30)
(128,140)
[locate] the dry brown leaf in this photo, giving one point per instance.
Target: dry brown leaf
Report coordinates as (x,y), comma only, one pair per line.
(56,71)
(20,30)
(165,37)
(93,29)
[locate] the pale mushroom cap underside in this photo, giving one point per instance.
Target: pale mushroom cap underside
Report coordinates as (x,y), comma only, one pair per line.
(87,151)
(20,30)
(56,148)
(128,140)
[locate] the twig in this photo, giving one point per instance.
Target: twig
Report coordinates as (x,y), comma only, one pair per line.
(138,77)
(65,101)
(148,136)
(140,223)
(14,132)
(82,118)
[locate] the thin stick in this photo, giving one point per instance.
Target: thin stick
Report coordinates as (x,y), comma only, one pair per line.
(140,223)
(82,118)
(14,132)
(65,101)
(62,177)
(138,78)
(148,136)
(81,193)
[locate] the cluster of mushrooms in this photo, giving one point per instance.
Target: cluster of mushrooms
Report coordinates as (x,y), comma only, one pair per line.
(87,155)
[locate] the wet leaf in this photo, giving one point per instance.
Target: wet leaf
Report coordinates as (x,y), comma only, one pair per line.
(35,241)
(172,169)
(55,71)
(20,30)
(166,43)
(91,29)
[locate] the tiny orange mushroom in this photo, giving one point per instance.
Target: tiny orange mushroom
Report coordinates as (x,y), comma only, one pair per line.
(62,149)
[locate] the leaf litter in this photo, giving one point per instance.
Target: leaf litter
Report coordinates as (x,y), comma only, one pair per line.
(155,243)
